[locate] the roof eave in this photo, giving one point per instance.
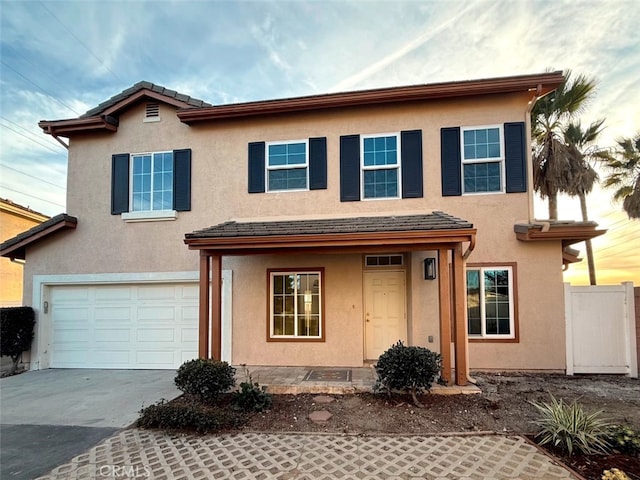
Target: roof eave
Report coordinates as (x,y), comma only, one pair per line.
(17,250)
(568,234)
(241,244)
(539,84)
(64,128)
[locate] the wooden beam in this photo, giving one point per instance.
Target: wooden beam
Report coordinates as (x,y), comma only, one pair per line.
(445,313)
(460,317)
(203,313)
(216,307)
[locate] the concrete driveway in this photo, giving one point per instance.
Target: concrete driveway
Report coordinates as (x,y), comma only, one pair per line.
(49,416)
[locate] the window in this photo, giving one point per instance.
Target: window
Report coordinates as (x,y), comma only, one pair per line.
(491,302)
(296,305)
(152,182)
(380,166)
(287,166)
(150,186)
(383,260)
(482,159)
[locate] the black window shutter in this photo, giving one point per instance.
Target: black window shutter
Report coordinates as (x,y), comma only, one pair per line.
(182,180)
(256,167)
(515,157)
(350,168)
(411,147)
(450,161)
(317,163)
(119,183)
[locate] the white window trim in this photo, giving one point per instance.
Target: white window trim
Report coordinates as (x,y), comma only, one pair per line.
(483,320)
(146,215)
(295,304)
(286,167)
(398,166)
(500,159)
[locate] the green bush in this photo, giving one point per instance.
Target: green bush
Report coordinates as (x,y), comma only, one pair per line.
(570,428)
(187,414)
(624,439)
(205,378)
(410,369)
(251,396)
(16,332)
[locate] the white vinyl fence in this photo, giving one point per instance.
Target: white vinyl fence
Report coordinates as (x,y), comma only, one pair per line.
(601,329)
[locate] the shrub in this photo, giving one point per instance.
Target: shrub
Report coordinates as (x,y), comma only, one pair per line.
(252,396)
(16,332)
(186,414)
(624,439)
(205,378)
(570,428)
(411,369)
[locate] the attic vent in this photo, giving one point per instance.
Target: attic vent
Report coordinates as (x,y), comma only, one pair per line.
(152,113)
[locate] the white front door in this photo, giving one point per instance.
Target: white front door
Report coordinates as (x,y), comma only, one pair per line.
(384,309)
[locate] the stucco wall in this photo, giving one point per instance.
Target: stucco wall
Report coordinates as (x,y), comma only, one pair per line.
(105,243)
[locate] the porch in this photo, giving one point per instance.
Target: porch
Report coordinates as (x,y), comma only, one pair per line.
(327,380)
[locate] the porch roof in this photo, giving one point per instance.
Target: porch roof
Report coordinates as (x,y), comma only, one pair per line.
(378,232)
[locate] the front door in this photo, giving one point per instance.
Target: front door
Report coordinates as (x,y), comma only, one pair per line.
(384,309)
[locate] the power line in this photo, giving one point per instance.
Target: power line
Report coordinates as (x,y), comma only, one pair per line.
(48,147)
(32,176)
(79,41)
(38,86)
(32,196)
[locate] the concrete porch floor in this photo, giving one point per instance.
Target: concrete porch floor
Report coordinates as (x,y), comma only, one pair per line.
(291,380)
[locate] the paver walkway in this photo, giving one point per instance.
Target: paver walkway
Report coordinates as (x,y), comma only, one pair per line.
(143,454)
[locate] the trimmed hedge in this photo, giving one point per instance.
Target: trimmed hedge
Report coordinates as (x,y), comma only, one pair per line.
(205,378)
(16,332)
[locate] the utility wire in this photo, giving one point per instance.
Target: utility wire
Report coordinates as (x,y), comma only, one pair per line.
(32,196)
(79,41)
(32,176)
(39,87)
(48,147)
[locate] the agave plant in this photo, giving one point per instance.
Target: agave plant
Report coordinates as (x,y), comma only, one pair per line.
(569,427)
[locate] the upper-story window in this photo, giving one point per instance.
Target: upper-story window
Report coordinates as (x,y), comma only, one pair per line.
(482,159)
(152,181)
(151,186)
(380,166)
(287,166)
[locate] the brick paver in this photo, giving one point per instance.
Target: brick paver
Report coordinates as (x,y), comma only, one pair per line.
(140,454)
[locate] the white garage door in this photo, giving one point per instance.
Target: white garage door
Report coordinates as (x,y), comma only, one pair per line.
(145,326)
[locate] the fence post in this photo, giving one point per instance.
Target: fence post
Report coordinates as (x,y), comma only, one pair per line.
(568,322)
(630,314)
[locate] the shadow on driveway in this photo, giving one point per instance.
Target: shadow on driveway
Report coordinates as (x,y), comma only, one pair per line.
(50,416)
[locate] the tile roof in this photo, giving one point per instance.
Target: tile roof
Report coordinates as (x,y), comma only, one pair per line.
(15,247)
(433,221)
(159,89)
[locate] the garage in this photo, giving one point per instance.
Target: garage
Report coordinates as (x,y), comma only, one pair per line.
(130,326)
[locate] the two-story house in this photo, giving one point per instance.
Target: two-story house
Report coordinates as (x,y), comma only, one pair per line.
(311,231)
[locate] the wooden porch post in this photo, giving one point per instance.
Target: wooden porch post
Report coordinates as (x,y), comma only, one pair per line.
(445,313)
(216,307)
(203,313)
(459,315)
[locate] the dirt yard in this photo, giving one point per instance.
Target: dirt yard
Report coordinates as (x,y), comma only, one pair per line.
(503,406)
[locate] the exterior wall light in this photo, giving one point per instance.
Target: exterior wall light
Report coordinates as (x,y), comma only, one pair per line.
(429,268)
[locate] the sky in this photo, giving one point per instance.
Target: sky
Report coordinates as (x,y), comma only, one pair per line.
(58,59)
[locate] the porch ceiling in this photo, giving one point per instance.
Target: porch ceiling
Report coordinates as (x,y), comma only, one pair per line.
(379,233)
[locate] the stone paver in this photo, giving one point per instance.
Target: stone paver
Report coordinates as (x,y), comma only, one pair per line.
(141,454)
(323,399)
(320,416)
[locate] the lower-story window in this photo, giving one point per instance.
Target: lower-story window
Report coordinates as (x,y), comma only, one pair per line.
(491,302)
(296,304)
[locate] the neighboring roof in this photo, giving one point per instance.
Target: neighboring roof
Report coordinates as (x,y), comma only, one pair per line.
(16,247)
(569,232)
(410,231)
(537,84)
(105,115)
(16,209)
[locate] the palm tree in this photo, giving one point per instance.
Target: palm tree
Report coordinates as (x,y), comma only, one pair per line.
(624,164)
(581,149)
(552,170)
